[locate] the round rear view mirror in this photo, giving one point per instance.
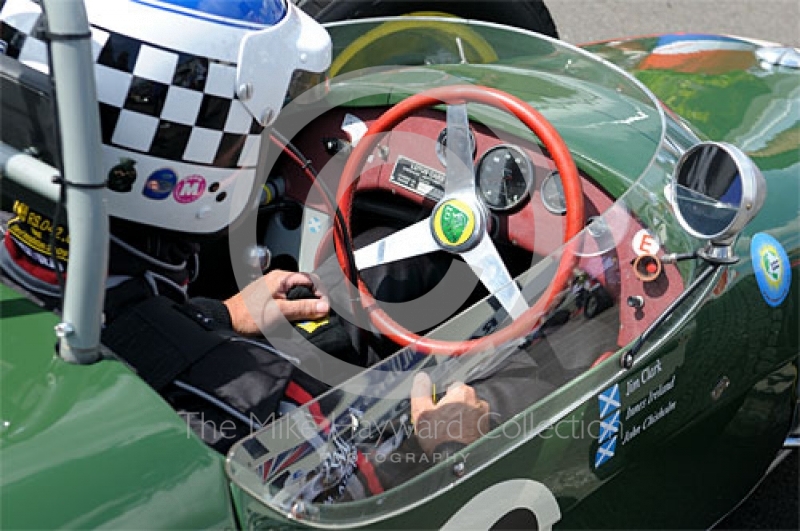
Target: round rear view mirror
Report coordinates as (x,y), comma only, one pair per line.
(717,190)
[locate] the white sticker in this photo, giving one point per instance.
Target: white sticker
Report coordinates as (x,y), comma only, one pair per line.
(354,127)
(645,243)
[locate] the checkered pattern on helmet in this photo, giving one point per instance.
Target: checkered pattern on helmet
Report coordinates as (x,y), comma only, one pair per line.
(153,100)
(18,35)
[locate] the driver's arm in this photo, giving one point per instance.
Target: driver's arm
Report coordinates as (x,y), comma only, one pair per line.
(440,429)
(459,419)
(261,304)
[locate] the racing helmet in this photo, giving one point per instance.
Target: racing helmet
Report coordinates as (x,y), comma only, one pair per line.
(185,89)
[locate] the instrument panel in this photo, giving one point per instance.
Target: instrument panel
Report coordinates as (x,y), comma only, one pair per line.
(513,175)
(517,180)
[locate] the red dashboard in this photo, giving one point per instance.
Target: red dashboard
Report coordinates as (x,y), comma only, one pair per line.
(406,164)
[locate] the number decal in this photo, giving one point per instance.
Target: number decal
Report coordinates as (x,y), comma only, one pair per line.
(486,508)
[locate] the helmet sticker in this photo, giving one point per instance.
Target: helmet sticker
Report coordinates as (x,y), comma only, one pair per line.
(122,176)
(771,266)
(189,189)
(160,184)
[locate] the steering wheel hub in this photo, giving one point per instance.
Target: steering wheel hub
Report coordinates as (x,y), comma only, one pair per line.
(457,224)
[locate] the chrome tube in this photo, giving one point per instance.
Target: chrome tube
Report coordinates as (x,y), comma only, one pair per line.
(29,172)
(78,118)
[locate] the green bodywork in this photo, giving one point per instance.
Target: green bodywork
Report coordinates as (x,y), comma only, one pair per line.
(93,446)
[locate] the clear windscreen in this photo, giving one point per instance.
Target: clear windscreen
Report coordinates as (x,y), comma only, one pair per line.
(310,463)
(352,455)
(603,113)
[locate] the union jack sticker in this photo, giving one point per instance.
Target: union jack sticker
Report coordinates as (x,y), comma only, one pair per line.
(272,467)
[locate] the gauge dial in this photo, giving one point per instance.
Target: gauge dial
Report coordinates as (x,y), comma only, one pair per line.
(553,194)
(504,177)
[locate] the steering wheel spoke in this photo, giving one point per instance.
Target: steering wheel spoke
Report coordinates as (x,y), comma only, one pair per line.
(460,176)
(485,261)
(411,241)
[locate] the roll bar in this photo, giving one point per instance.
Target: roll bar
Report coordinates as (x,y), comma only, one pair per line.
(80,185)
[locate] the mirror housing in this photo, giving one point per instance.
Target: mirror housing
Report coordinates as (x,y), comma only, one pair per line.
(717,189)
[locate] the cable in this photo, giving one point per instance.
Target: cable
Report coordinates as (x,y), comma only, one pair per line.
(308,170)
(146,257)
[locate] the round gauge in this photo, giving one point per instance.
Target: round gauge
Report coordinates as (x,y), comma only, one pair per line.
(553,194)
(441,144)
(504,176)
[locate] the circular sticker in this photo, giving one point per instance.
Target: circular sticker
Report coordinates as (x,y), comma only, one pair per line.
(453,223)
(771,266)
(189,189)
(160,184)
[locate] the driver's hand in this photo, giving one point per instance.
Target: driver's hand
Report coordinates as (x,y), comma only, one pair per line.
(459,417)
(263,303)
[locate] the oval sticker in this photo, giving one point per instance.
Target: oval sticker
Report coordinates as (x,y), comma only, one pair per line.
(771,266)
(160,184)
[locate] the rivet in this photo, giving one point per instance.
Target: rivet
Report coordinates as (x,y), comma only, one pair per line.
(245,91)
(636,301)
(459,469)
(626,360)
(64,329)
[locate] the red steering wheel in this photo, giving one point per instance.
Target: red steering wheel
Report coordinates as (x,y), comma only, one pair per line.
(458,223)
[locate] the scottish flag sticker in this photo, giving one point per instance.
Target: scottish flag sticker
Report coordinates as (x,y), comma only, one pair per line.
(609,405)
(605,452)
(608,400)
(609,427)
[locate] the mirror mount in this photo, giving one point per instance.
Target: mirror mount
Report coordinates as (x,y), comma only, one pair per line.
(720,253)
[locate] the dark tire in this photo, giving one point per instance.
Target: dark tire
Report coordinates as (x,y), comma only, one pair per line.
(526,14)
(592,307)
(597,302)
